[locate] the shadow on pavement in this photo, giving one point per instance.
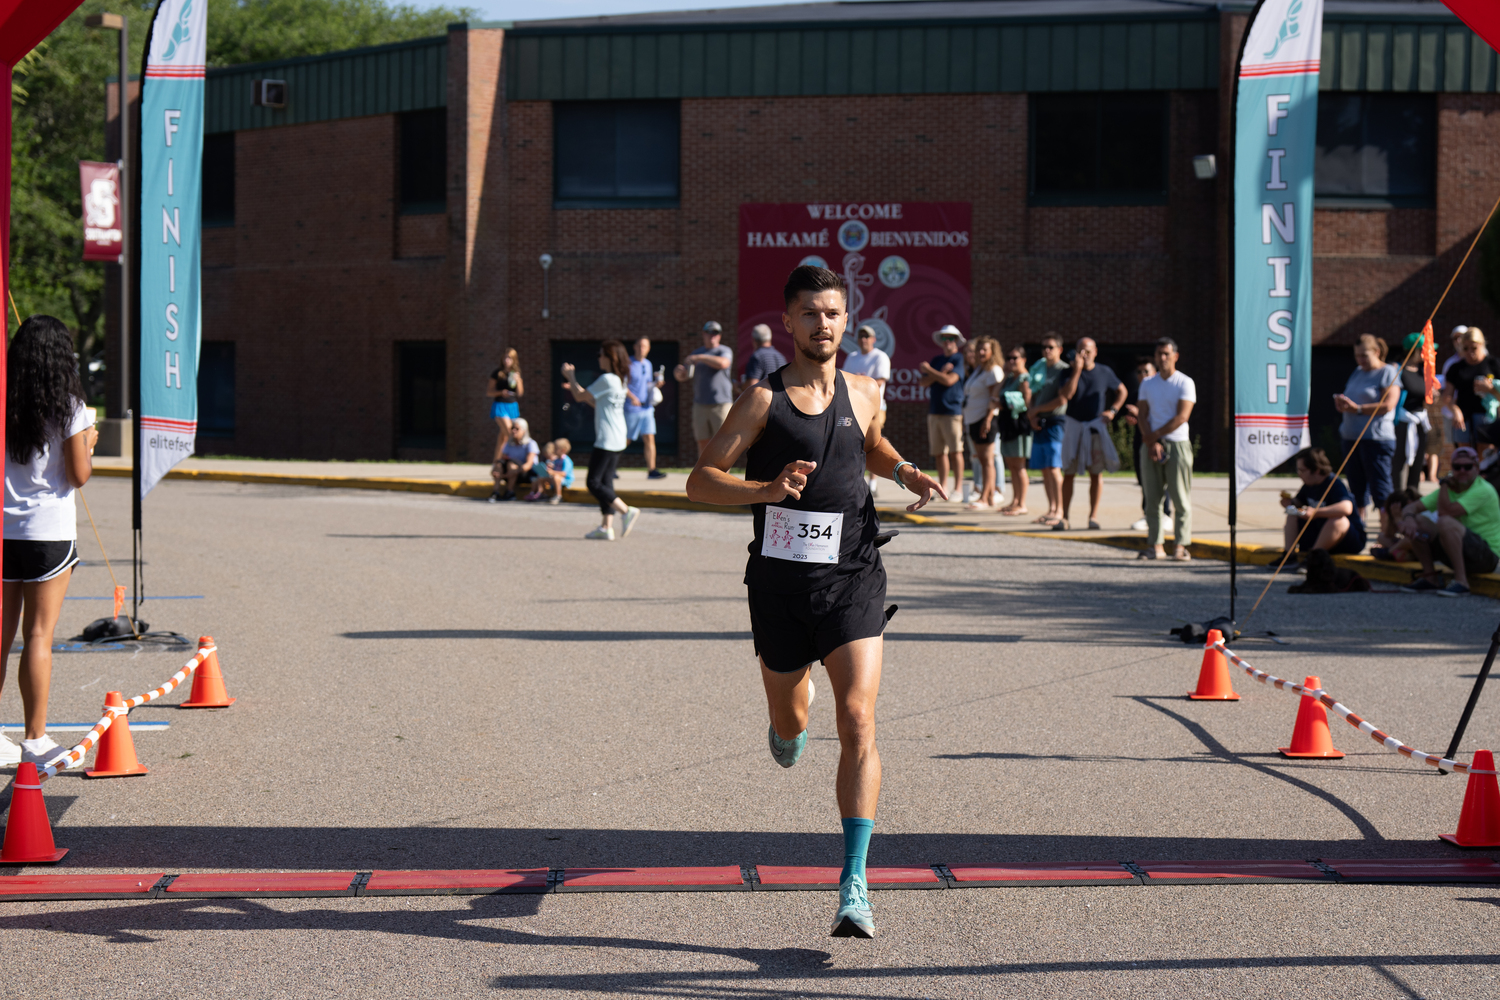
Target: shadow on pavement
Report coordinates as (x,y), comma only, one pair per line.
(176,849)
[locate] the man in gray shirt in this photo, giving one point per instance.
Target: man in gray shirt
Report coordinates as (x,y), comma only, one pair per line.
(713,392)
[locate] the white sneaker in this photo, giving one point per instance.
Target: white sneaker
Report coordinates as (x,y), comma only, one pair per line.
(9,752)
(601,534)
(43,750)
(874,486)
(1139,525)
(627,520)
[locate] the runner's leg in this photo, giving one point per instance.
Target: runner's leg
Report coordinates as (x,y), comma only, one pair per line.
(787,700)
(854,672)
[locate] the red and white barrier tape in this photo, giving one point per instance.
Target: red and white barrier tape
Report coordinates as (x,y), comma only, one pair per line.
(1389,742)
(111,712)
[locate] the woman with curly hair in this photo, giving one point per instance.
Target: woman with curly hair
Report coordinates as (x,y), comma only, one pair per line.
(49,441)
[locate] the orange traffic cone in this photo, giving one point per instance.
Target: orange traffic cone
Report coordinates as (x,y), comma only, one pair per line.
(1310,736)
(116,756)
(208,683)
(1478,824)
(28,834)
(1213,676)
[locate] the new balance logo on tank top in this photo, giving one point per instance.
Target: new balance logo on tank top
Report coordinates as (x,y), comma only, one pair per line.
(836,501)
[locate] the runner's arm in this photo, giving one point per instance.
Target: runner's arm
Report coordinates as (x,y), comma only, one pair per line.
(711,481)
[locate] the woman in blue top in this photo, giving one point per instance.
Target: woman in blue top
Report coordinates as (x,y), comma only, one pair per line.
(607,396)
(1372,390)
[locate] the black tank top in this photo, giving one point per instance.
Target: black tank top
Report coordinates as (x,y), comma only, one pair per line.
(832,439)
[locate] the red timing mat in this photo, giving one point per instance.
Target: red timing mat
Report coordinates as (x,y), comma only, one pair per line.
(455,883)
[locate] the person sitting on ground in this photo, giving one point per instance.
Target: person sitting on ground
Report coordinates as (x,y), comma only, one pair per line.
(1325,507)
(49,441)
(1458,524)
(1389,545)
(517,463)
(549,450)
(559,472)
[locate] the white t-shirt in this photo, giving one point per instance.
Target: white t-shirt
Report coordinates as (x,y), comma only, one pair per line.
(977,393)
(876,364)
(38,498)
(1162,395)
(609,412)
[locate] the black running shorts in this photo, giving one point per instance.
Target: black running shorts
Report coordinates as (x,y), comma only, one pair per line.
(793,630)
(28,561)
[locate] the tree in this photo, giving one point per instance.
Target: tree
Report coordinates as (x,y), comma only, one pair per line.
(58,113)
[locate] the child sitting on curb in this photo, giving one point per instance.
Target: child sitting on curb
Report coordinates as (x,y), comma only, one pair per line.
(559,473)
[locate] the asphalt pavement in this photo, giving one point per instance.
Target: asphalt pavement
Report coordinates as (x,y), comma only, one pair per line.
(437,682)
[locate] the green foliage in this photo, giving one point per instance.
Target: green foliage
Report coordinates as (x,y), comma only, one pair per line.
(241,31)
(1123,435)
(57,104)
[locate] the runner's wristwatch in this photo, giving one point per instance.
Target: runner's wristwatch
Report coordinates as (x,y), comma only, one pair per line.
(896,475)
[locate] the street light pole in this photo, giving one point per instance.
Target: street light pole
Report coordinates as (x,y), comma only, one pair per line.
(115,22)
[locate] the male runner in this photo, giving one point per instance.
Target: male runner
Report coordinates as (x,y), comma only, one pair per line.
(807,433)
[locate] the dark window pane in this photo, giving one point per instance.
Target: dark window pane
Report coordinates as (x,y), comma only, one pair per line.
(216,388)
(1132,134)
(1066,143)
(218,179)
(423,152)
(1375,146)
(615,151)
(1098,148)
(584,147)
(422,394)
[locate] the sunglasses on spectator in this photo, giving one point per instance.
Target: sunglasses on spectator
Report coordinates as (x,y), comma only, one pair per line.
(1463,467)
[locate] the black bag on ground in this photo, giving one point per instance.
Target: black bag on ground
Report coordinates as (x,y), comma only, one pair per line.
(109,628)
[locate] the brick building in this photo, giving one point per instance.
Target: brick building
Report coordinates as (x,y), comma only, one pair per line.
(373,245)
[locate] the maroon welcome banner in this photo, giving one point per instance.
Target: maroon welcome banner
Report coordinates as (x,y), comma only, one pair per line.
(100,183)
(907,264)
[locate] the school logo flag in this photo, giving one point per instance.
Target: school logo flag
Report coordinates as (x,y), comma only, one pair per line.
(171,286)
(1276,118)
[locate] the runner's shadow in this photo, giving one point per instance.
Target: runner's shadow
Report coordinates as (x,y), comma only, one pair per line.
(549,635)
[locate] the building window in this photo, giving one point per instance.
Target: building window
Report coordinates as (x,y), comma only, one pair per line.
(575,421)
(422,394)
(1099,149)
(423,151)
(1375,149)
(615,153)
(218,179)
(216,388)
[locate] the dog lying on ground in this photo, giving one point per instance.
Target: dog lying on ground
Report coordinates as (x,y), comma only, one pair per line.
(1323,577)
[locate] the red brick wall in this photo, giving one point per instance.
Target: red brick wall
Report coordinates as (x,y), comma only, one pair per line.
(320,275)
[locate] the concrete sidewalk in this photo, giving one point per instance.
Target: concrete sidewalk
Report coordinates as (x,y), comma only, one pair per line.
(1258,536)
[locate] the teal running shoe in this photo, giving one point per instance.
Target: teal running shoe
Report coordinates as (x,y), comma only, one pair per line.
(787,752)
(853,918)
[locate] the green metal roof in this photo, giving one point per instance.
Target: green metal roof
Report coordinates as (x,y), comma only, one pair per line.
(383,79)
(1180,54)
(1403,56)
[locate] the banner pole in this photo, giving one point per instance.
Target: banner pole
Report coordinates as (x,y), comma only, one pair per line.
(1234,479)
(137,581)
(1463,720)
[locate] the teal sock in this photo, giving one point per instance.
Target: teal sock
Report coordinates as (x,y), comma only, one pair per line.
(856,846)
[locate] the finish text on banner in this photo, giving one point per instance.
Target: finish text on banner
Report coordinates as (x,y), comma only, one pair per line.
(171,288)
(907,265)
(1276,118)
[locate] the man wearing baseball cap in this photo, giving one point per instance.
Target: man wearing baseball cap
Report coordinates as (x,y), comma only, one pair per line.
(713,392)
(944,378)
(1459,524)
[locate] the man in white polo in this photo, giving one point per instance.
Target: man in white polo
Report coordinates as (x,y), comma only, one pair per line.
(874,363)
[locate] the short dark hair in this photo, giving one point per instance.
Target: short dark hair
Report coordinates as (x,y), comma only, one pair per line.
(1315,459)
(1051,338)
(1168,342)
(808,278)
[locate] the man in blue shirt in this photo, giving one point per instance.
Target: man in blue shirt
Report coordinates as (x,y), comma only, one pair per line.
(640,411)
(944,378)
(764,361)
